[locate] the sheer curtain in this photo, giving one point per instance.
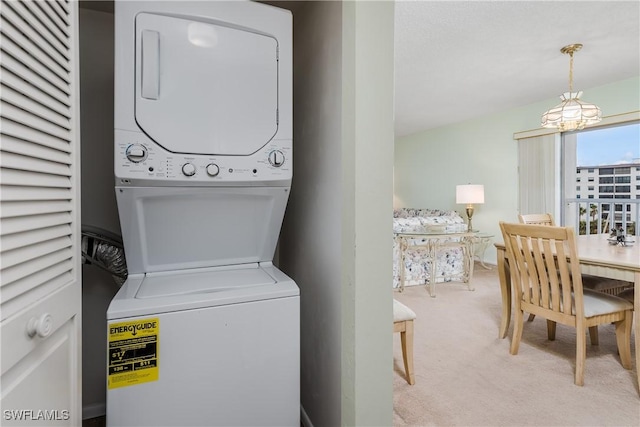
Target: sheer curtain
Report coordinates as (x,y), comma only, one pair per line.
(539,175)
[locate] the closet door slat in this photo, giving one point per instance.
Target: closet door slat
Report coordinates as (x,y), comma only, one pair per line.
(11,144)
(16,98)
(33,207)
(21,9)
(10,32)
(23,132)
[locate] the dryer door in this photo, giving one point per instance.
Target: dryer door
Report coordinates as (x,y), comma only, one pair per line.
(205,87)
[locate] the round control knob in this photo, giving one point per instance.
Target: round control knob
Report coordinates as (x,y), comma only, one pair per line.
(188,169)
(213,169)
(41,326)
(276,158)
(136,153)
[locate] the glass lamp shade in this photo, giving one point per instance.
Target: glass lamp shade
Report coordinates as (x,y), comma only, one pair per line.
(571,114)
(469,194)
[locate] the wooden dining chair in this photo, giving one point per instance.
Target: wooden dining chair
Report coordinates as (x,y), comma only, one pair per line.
(539,219)
(594,283)
(545,275)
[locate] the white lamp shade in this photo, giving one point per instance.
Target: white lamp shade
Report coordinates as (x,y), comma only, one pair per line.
(469,194)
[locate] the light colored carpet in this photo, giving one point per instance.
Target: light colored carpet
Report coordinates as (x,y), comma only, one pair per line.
(465,375)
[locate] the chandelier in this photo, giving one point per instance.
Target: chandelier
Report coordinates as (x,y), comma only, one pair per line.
(572,113)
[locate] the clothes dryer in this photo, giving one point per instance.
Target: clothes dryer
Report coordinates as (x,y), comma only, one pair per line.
(205,331)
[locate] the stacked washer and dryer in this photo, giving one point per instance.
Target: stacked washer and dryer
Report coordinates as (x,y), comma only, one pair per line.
(205,331)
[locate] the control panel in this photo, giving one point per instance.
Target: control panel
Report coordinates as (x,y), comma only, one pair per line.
(137,158)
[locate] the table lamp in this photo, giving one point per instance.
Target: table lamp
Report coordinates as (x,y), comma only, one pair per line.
(469,194)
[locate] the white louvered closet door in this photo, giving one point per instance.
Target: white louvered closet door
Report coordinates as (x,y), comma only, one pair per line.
(40,282)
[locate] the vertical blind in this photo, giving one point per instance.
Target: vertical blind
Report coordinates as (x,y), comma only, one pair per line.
(38,152)
(538,175)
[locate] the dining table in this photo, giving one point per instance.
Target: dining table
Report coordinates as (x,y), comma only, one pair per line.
(599,255)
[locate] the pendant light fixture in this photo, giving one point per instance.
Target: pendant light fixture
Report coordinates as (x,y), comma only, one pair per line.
(572,113)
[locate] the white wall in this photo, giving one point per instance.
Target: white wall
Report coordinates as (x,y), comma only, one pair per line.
(98,197)
(429,165)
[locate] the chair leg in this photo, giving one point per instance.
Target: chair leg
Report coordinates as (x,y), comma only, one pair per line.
(581,353)
(531,317)
(551,330)
(517,331)
(406,338)
(593,335)
(623,339)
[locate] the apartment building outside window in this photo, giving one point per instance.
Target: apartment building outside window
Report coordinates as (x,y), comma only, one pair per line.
(608,159)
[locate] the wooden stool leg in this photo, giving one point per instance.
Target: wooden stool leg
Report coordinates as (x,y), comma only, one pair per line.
(406,337)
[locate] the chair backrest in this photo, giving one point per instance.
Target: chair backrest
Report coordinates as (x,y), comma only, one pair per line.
(540,219)
(545,270)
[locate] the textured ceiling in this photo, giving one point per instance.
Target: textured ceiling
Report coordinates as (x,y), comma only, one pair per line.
(457,60)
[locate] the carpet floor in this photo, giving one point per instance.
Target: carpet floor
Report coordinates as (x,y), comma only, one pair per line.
(465,375)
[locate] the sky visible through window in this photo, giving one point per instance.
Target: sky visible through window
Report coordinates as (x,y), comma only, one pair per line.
(609,146)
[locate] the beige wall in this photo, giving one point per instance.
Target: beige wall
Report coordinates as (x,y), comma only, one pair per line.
(310,237)
(335,241)
(429,165)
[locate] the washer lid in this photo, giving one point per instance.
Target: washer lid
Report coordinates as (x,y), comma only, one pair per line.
(213,290)
(182,228)
(166,284)
(204,86)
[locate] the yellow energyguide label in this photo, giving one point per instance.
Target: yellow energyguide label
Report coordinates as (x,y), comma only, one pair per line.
(133,352)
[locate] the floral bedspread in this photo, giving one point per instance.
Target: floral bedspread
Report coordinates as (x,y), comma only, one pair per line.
(450,262)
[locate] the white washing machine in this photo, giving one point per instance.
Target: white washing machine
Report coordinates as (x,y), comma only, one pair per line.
(205,331)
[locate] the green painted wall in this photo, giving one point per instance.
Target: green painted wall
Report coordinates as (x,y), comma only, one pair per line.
(428,165)
(367,153)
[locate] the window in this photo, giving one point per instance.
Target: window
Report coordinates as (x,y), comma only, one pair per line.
(608,156)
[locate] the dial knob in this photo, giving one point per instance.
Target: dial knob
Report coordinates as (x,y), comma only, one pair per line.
(136,153)
(276,158)
(213,169)
(188,169)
